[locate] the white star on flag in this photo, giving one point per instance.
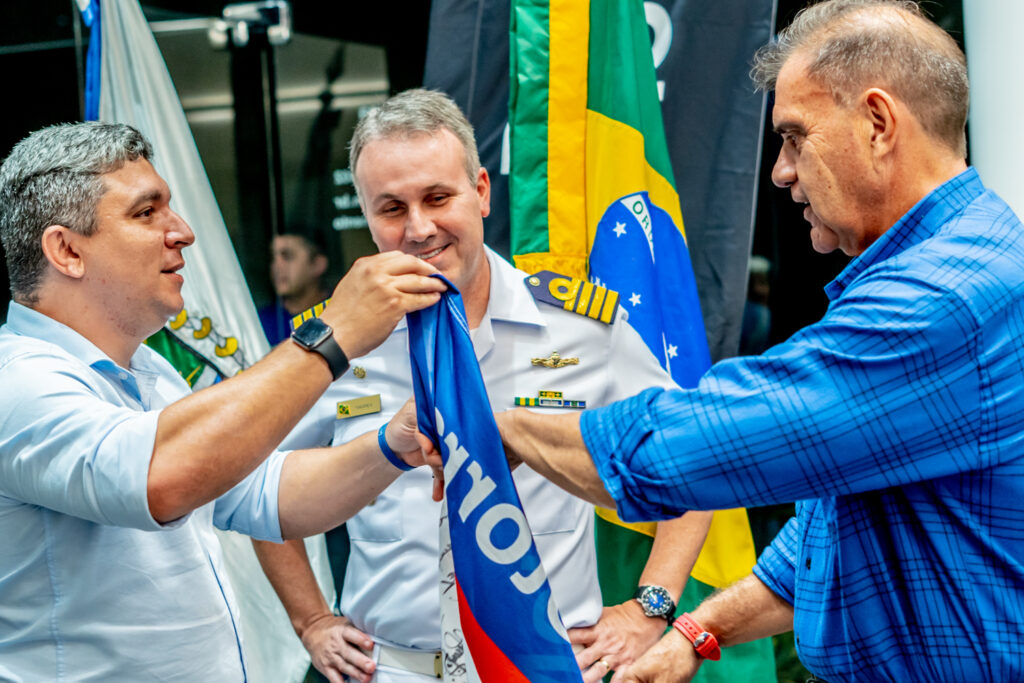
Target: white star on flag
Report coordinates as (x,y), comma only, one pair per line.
(635,299)
(620,229)
(672,351)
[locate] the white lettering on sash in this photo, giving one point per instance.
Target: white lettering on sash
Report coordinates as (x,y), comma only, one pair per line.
(481,488)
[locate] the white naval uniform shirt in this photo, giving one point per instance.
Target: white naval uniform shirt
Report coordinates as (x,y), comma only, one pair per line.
(391,584)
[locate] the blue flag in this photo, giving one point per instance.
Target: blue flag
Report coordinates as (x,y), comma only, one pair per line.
(507,617)
(639,252)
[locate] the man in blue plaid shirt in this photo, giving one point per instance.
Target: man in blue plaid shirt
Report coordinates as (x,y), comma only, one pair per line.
(896,422)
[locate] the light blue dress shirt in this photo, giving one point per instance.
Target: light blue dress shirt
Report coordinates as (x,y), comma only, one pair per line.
(91,586)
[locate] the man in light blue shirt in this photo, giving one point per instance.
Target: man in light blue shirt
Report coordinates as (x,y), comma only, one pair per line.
(111,475)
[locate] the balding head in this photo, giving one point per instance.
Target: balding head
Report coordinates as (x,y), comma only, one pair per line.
(853,45)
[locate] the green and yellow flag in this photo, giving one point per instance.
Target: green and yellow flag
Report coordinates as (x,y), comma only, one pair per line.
(593,195)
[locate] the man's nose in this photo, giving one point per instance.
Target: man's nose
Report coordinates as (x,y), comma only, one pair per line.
(784,171)
(419,226)
(180,234)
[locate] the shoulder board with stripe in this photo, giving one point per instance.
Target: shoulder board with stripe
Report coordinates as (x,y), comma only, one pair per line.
(313,312)
(573,294)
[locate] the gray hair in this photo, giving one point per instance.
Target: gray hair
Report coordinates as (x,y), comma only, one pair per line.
(54,177)
(410,113)
(857,44)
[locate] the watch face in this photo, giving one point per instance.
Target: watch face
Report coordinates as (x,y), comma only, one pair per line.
(655,601)
(310,333)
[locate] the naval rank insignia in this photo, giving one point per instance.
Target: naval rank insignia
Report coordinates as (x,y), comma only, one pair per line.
(354,407)
(313,312)
(549,399)
(574,294)
(555,361)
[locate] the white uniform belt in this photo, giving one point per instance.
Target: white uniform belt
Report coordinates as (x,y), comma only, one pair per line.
(418,662)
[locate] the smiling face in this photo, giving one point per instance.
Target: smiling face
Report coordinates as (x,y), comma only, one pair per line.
(826,162)
(131,260)
(418,200)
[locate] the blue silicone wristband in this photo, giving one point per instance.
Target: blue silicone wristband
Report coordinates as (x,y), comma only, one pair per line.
(388,453)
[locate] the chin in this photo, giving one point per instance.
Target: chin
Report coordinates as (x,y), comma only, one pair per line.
(172,309)
(823,241)
(823,248)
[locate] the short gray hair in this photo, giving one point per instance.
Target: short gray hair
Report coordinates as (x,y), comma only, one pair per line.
(415,112)
(857,44)
(54,177)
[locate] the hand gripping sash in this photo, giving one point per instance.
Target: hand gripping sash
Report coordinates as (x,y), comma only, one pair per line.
(504,613)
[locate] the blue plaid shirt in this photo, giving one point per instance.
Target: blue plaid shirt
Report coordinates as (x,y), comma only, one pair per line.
(897,421)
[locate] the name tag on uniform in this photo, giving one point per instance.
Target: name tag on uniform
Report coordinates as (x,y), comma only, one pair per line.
(354,407)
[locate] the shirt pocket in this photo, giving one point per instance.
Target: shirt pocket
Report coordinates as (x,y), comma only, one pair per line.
(549,509)
(378,522)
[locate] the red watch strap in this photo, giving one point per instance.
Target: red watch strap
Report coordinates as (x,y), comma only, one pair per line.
(704,642)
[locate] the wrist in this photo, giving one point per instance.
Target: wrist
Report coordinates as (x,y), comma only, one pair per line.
(344,340)
(316,336)
(304,625)
(656,602)
(703,641)
(389,453)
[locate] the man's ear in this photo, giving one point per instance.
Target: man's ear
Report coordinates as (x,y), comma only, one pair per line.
(883,116)
(60,247)
(319,264)
(483,191)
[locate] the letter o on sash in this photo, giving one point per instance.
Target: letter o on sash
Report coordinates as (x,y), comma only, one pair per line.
(486,525)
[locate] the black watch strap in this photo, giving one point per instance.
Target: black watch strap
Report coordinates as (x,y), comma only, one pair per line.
(317,336)
(334,356)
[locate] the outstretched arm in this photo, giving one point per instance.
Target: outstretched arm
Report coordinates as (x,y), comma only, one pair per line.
(322,487)
(552,445)
(209,441)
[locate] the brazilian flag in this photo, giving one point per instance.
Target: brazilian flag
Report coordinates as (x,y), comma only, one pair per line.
(593,196)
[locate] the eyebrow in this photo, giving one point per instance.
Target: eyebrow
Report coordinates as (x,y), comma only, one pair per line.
(788,127)
(146,198)
(387,196)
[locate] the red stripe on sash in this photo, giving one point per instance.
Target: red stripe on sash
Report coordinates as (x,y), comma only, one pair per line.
(491,663)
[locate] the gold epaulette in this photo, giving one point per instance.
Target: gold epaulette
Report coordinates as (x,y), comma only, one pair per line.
(313,312)
(573,294)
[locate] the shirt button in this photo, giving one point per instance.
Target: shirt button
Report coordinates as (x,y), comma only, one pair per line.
(122,376)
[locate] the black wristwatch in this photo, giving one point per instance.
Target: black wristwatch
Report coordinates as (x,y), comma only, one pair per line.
(656,602)
(317,336)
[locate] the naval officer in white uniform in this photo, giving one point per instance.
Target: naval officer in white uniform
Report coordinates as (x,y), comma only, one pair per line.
(423,191)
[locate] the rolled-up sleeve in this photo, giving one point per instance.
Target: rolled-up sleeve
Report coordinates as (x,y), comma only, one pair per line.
(250,507)
(777,565)
(884,392)
(66,447)
(618,430)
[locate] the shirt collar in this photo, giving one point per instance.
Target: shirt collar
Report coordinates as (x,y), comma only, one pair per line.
(509,299)
(28,322)
(921,222)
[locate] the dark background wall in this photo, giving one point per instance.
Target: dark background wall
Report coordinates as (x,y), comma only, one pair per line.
(42,52)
